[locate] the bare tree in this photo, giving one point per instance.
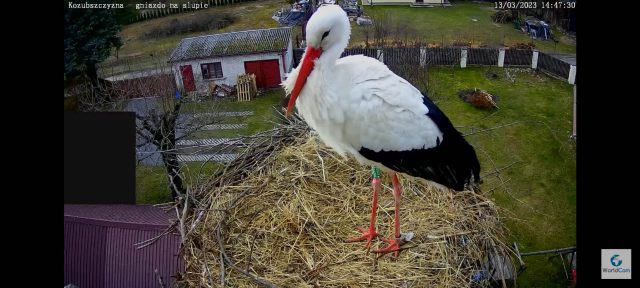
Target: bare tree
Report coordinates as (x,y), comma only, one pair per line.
(157,123)
(159,128)
(381,29)
(406,64)
(367,34)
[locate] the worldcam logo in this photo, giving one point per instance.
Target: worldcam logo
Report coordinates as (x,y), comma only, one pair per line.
(616,264)
(615,261)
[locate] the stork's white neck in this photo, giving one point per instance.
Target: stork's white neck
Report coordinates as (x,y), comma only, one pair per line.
(329,57)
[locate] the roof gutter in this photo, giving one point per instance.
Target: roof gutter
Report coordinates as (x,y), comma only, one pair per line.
(226,55)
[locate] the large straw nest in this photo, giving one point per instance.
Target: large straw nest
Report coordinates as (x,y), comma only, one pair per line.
(280,217)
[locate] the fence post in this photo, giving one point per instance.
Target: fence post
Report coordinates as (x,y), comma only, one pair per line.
(380,55)
(423,56)
(463,57)
(534,60)
(501,57)
(572,74)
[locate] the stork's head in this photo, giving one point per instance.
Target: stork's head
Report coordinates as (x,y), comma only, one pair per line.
(328,32)
(328,27)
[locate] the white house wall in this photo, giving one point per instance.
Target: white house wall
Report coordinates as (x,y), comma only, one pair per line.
(176,73)
(289,58)
(232,66)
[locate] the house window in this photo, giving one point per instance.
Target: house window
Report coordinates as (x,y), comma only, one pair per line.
(211,70)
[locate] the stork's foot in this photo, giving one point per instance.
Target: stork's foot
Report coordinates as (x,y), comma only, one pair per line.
(394,246)
(367,234)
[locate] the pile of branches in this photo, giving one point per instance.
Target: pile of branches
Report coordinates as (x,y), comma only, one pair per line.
(479,98)
(525,46)
(502,16)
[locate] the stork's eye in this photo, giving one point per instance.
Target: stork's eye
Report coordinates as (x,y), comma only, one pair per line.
(325,34)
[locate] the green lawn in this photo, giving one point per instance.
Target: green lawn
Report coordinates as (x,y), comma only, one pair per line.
(262,118)
(152,184)
(538,199)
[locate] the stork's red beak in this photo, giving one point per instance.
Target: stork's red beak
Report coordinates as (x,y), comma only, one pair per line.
(307,65)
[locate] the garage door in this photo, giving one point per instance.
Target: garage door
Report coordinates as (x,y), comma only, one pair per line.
(267,72)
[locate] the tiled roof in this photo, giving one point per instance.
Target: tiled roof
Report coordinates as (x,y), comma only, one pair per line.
(232,43)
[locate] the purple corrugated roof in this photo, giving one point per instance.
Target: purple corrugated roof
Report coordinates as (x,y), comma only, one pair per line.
(131,216)
(101,246)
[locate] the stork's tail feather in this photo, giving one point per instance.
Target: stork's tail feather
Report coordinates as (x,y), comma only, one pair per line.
(472,174)
(464,167)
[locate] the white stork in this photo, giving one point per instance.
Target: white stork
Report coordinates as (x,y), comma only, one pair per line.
(358,106)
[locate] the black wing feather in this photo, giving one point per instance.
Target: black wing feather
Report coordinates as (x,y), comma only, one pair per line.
(453,162)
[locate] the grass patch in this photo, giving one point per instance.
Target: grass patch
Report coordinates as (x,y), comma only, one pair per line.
(152,184)
(178,26)
(262,118)
(539,199)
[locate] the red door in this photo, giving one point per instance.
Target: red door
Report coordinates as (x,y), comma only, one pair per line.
(187,78)
(267,72)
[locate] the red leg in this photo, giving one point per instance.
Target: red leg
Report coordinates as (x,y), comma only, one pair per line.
(396,242)
(369,234)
